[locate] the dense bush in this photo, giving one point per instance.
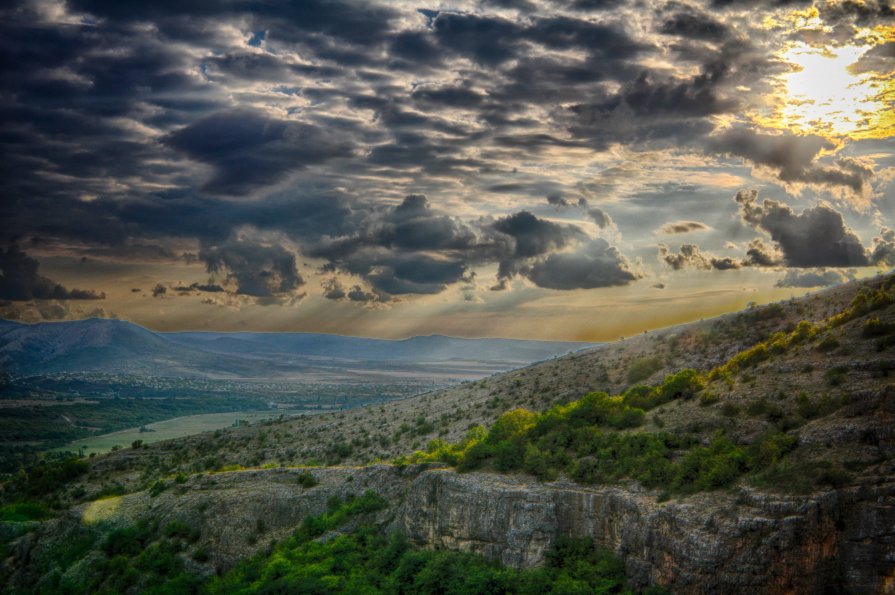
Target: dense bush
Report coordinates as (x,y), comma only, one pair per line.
(306,479)
(868,299)
(48,476)
(829,343)
(876,328)
(579,439)
(23,511)
(683,384)
(776,344)
(643,369)
(368,561)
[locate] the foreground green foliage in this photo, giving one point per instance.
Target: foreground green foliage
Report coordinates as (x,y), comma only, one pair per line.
(149,558)
(368,561)
(371,562)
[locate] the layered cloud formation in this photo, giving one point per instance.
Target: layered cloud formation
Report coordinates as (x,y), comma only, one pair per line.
(377,153)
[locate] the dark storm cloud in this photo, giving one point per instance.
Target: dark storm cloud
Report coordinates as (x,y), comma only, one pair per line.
(534,142)
(596,214)
(208,287)
(249,66)
(691,23)
(760,254)
(357,294)
(259,269)
(882,248)
(73,97)
(794,158)
(20,281)
(690,256)
(683,227)
(413,225)
(410,226)
(591,5)
(533,236)
(249,151)
(409,248)
(522,236)
(861,11)
(653,110)
(493,41)
(413,248)
(490,41)
(758,3)
(333,289)
(876,59)
(355,22)
(815,278)
(694,97)
(557,200)
(451,96)
(415,273)
(569,33)
(415,47)
(595,264)
(816,237)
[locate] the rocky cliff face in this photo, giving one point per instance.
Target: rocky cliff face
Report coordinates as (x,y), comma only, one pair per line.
(742,541)
(746,542)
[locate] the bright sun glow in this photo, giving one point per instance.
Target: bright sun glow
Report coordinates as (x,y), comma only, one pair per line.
(823,96)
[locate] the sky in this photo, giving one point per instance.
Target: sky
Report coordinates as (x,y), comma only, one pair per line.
(545,169)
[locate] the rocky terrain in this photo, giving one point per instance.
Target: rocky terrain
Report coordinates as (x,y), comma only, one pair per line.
(823,520)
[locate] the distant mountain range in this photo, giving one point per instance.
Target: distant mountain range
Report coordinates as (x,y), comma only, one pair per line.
(115,346)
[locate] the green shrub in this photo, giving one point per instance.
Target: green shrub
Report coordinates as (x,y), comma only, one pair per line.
(23,511)
(814,408)
(129,540)
(764,408)
(836,375)
(683,384)
(48,476)
(511,425)
(707,399)
(802,477)
(642,397)
(829,343)
(157,488)
(875,328)
(181,530)
(307,480)
(729,410)
(643,368)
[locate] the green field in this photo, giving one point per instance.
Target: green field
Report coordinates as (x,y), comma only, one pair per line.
(174,428)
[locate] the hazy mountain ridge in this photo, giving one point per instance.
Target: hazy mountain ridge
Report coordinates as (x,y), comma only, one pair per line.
(420,348)
(105,345)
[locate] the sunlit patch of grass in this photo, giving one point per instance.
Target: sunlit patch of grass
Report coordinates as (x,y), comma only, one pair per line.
(101,510)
